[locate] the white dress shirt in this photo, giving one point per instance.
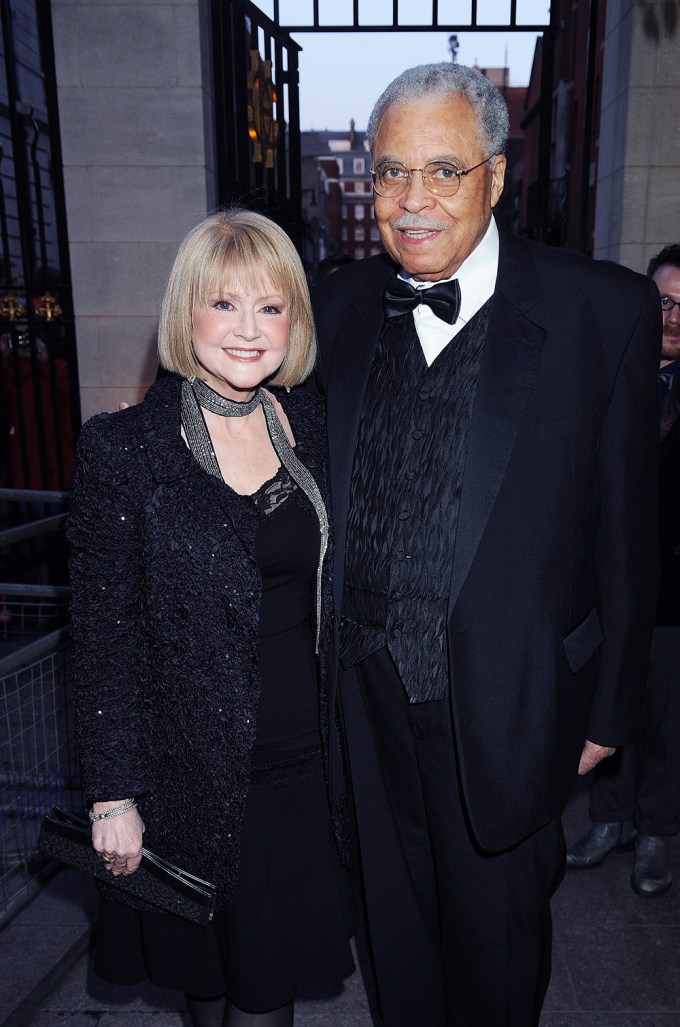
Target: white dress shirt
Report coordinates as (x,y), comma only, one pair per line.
(477,277)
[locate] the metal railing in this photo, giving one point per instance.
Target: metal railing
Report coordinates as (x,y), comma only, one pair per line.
(38,757)
(38,760)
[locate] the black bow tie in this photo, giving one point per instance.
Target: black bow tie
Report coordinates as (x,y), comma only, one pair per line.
(443,299)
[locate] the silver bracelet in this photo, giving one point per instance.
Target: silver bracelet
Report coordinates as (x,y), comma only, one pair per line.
(114,811)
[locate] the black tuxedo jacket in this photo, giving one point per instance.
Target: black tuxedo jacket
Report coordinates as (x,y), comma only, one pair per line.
(668,610)
(554,575)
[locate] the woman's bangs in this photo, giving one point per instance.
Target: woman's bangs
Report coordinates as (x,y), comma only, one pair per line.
(236,267)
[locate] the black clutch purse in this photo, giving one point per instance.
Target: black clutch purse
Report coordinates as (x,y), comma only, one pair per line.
(67,837)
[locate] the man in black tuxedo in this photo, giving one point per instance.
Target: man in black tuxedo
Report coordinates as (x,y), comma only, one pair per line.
(493,462)
(635,799)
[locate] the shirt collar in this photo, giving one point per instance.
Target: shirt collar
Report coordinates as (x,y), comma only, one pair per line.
(477,276)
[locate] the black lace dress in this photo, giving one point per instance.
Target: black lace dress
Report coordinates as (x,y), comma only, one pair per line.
(293,911)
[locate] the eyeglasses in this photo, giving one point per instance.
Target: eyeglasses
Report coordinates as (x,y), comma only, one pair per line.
(440,177)
(667,303)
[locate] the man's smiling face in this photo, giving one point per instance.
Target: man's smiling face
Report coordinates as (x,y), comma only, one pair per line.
(430,236)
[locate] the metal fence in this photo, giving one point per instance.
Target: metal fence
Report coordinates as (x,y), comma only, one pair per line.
(38,758)
(29,616)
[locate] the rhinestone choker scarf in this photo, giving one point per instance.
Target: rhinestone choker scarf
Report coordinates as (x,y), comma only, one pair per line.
(196,394)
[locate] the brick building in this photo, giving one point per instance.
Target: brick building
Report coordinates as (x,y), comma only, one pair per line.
(337,199)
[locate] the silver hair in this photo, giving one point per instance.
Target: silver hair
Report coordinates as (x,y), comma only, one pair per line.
(441,82)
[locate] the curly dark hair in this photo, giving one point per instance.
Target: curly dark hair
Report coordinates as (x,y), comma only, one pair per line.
(669,255)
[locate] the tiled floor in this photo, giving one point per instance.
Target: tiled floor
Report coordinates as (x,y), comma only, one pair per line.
(616,960)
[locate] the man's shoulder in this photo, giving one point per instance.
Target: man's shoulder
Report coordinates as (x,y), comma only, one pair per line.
(359,279)
(556,262)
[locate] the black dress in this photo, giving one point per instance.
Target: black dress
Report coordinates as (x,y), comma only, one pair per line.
(293,913)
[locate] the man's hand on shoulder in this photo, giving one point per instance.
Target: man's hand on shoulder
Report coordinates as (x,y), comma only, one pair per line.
(592,755)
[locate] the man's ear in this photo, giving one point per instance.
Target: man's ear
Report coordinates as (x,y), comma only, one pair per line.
(498,179)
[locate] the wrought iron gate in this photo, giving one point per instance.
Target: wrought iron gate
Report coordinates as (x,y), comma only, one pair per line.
(257,115)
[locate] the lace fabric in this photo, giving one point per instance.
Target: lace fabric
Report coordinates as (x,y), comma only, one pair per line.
(271,494)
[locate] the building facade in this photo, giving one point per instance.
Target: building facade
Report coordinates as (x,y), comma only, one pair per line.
(339,164)
(614,167)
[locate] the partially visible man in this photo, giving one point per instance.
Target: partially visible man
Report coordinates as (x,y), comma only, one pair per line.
(493,430)
(636,798)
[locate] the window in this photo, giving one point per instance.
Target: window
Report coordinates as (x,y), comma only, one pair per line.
(358,212)
(344,233)
(375,234)
(359,233)
(343,211)
(359,165)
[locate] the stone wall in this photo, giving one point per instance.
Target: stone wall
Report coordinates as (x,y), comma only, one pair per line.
(638,207)
(134,89)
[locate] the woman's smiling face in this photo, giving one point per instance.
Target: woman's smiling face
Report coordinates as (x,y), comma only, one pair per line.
(241,337)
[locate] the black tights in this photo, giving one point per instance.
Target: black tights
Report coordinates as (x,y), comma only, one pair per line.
(220,1012)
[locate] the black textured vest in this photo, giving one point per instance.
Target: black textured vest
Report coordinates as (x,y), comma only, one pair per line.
(404,501)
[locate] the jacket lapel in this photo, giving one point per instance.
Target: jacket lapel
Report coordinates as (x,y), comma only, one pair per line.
(168,456)
(175,468)
(507,375)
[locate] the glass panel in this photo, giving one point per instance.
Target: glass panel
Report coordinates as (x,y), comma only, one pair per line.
(375,12)
(336,12)
(493,12)
(455,12)
(296,12)
(533,12)
(415,12)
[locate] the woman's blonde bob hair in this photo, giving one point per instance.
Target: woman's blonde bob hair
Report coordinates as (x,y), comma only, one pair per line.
(235,248)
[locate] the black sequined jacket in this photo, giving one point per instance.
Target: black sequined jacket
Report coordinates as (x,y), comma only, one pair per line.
(165,608)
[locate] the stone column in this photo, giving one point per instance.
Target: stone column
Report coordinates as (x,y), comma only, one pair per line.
(638,188)
(135,100)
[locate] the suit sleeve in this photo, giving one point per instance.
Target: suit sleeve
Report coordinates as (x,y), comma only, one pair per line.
(107,615)
(317,380)
(627,551)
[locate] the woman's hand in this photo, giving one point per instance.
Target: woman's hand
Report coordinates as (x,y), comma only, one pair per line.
(118,840)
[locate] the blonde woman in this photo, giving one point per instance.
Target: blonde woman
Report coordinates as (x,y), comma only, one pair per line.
(201,598)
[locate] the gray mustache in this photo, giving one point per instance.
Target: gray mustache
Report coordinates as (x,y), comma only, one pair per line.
(418,221)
